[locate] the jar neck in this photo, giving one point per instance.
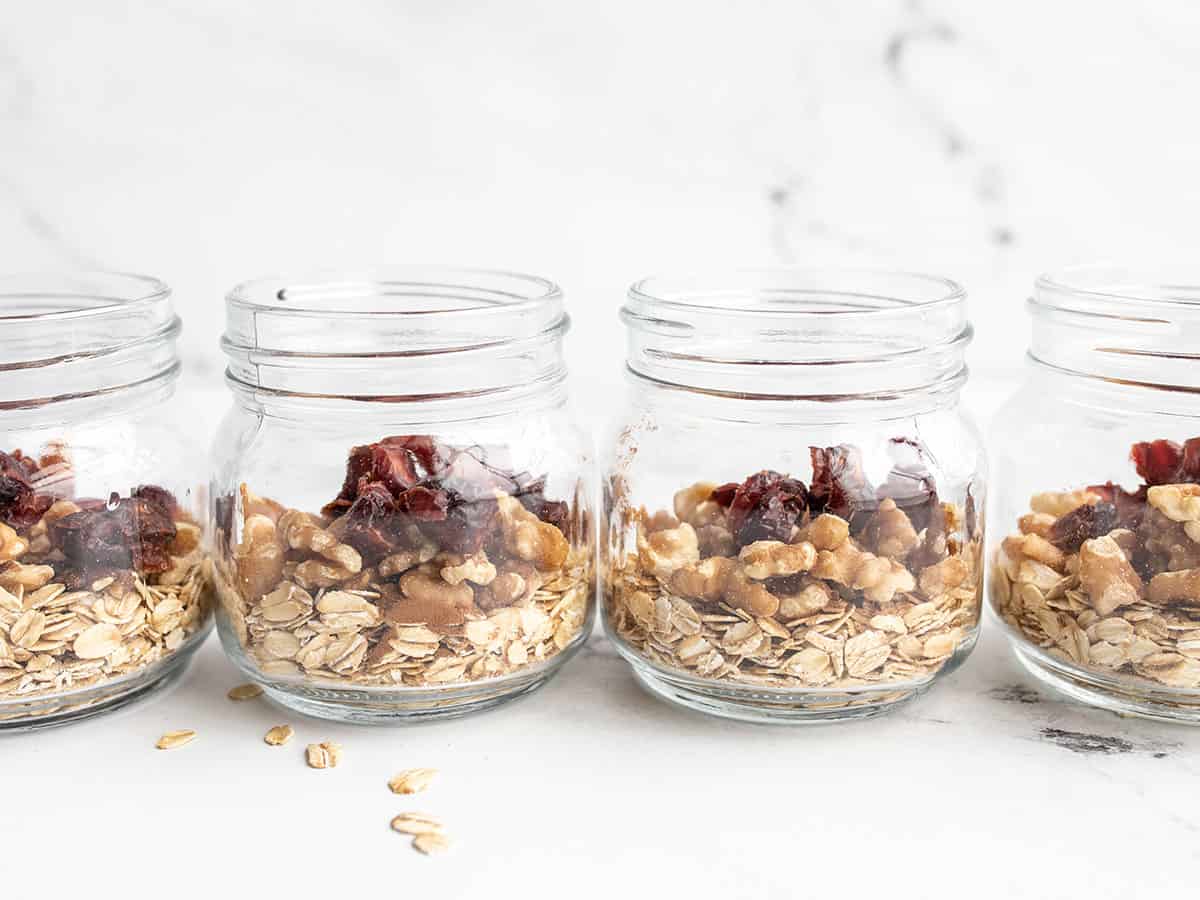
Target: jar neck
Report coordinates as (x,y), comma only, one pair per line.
(1120,327)
(84,344)
(823,339)
(410,340)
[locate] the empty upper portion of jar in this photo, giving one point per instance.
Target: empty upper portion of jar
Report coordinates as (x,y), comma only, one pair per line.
(402,334)
(813,334)
(83,335)
(1120,325)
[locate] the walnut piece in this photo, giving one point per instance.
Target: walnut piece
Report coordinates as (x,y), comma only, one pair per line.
(1035,547)
(891,531)
(808,601)
(1179,503)
(12,545)
(662,552)
(528,537)
(1036,523)
(741,592)
(704,580)
(1106,576)
(1167,587)
(825,532)
(475,568)
(879,578)
(1059,503)
(768,559)
(694,505)
(944,576)
(259,557)
(301,532)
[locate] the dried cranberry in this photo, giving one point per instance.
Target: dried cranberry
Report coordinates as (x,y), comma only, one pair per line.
(785,585)
(135,534)
(1189,466)
(1157,462)
(1131,507)
(372,524)
(839,485)
(21,506)
(766,507)
(1083,524)
(723,495)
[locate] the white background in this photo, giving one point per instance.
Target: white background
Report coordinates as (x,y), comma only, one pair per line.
(593,143)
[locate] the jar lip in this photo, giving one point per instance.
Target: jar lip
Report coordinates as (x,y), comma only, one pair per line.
(111,292)
(333,295)
(1110,283)
(940,292)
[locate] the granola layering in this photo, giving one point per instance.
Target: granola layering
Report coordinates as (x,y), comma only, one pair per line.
(430,567)
(1109,579)
(90,589)
(828,586)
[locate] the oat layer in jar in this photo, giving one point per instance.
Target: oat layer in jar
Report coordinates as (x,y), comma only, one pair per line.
(401,493)
(104,585)
(794,498)
(1095,568)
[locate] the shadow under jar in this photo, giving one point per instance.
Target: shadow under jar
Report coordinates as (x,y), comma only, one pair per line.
(104,584)
(793,503)
(401,493)
(1096,564)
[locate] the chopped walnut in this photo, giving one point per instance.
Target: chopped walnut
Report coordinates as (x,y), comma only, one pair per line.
(1106,576)
(662,552)
(1168,587)
(1059,503)
(1037,523)
(879,578)
(704,580)
(529,538)
(475,568)
(259,557)
(301,532)
(768,559)
(742,592)
(695,505)
(891,532)
(941,577)
(1035,547)
(1179,503)
(715,540)
(825,532)
(12,545)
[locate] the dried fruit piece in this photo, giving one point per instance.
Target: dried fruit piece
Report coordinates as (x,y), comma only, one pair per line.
(411,781)
(173,739)
(767,506)
(1085,522)
(133,532)
(838,483)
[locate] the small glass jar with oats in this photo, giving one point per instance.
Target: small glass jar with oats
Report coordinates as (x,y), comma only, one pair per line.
(401,493)
(104,584)
(1096,564)
(793,499)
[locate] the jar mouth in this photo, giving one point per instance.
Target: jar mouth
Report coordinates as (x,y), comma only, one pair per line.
(399,332)
(83,334)
(819,333)
(798,293)
(1122,324)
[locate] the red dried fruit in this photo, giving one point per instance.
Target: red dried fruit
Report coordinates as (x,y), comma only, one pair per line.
(723,495)
(126,533)
(1166,462)
(448,493)
(766,507)
(20,503)
(839,485)
(1091,520)
(1131,507)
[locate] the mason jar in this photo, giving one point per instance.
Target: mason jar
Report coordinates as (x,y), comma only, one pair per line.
(401,492)
(1096,536)
(104,586)
(794,495)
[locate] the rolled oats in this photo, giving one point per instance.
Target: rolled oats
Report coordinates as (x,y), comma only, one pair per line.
(431,842)
(806,598)
(411,781)
(173,739)
(325,755)
(332,598)
(1119,589)
(280,735)
(416,823)
(245,692)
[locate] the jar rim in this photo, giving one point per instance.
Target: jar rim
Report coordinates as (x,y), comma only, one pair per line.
(938,292)
(115,291)
(332,288)
(1109,283)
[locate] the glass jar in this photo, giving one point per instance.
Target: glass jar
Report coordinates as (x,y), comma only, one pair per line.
(401,492)
(793,500)
(104,586)
(1096,557)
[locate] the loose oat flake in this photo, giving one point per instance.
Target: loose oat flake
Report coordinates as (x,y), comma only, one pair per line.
(325,755)
(245,692)
(411,781)
(173,739)
(280,735)
(416,823)
(431,843)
